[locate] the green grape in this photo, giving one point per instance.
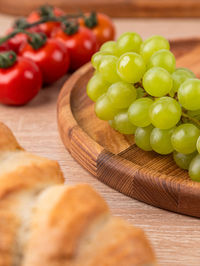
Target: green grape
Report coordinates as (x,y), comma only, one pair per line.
(122,123)
(107,68)
(179,76)
(96,59)
(184,138)
(112,123)
(189,94)
(129,42)
(152,45)
(104,109)
(96,87)
(172,93)
(183,160)
(198,144)
(140,92)
(142,137)
(194,168)
(160,140)
(188,71)
(109,47)
(138,112)
(121,94)
(157,82)
(131,67)
(165,113)
(163,58)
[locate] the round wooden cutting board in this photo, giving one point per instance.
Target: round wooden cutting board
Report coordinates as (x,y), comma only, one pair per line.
(113,158)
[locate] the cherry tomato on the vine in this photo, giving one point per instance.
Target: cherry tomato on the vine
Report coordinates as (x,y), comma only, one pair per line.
(46,27)
(104,30)
(52,58)
(81,45)
(19,39)
(4,47)
(16,42)
(20,83)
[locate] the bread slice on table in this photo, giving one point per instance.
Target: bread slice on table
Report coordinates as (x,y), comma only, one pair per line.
(45,223)
(22,178)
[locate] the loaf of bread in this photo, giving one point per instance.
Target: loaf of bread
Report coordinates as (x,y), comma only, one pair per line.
(46,223)
(23,177)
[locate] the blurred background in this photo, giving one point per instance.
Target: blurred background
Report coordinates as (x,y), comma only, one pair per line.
(183,16)
(114,8)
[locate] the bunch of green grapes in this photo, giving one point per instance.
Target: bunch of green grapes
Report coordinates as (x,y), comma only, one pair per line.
(137,88)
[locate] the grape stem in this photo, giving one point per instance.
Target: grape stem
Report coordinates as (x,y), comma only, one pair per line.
(196,121)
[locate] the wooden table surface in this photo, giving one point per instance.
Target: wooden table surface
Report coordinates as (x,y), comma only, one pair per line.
(175,238)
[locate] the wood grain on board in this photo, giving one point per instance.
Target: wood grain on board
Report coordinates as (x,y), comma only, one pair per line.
(114,8)
(113,158)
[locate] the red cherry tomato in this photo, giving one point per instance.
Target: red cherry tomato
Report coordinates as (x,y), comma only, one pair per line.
(104,30)
(4,47)
(18,40)
(52,58)
(81,45)
(20,83)
(46,27)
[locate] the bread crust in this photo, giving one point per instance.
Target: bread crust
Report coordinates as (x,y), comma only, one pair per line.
(27,171)
(44,223)
(117,243)
(62,223)
(73,227)
(7,139)
(22,177)
(8,228)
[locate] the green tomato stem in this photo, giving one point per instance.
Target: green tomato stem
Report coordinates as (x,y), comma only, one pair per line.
(7,59)
(9,36)
(91,21)
(36,40)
